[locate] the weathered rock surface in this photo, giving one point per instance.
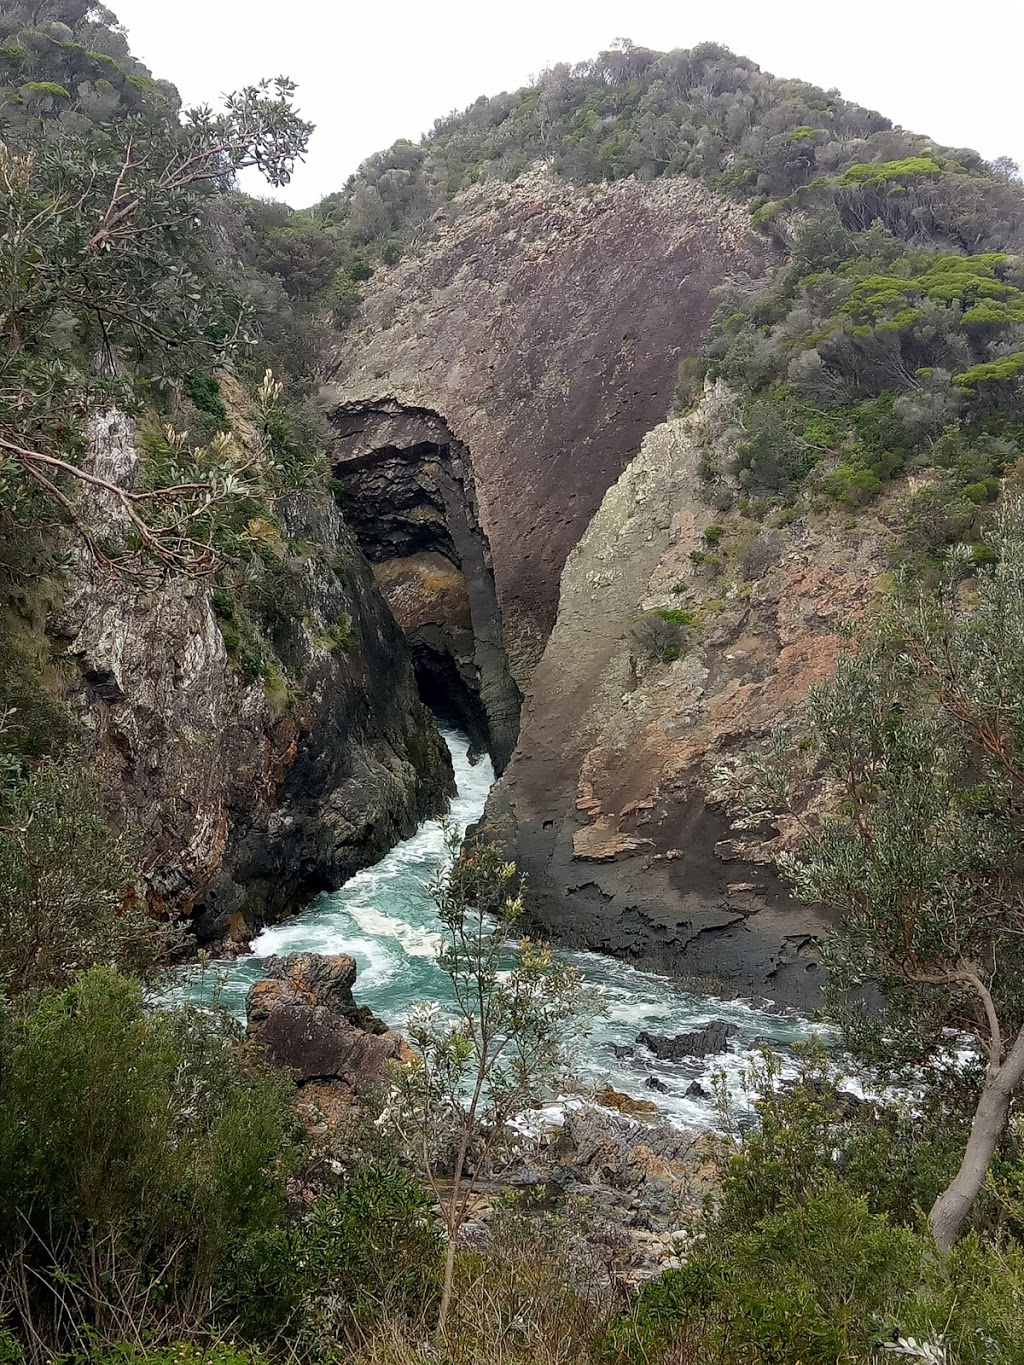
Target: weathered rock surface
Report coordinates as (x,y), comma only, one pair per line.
(544,326)
(707,1041)
(411,501)
(622,803)
(303,1012)
(249,798)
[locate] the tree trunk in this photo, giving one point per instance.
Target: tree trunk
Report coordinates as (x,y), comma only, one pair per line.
(446,1291)
(990,1118)
(955,1202)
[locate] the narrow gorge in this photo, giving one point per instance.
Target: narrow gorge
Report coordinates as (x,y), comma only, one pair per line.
(511,698)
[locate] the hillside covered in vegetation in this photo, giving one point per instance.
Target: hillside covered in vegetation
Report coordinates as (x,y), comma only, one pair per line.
(209,714)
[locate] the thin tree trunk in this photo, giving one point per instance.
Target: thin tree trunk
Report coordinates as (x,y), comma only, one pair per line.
(990,1118)
(446,1292)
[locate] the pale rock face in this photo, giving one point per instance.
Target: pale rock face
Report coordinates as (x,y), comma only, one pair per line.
(621,800)
(243,809)
(545,325)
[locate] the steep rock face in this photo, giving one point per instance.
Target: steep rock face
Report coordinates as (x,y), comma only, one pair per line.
(410,498)
(544,327)
(249,799)
(620,802)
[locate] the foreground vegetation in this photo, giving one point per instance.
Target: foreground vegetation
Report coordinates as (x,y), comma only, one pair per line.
(159,1200)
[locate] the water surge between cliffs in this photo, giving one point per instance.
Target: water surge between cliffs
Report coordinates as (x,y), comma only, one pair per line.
(383,917)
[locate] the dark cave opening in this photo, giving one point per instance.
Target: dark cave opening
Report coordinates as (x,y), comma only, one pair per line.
(406,489)
(444,691)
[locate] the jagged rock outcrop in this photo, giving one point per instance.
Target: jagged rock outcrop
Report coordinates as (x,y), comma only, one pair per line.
(410,499)
(621,802)
(303,1012)
(249,796)
(707,1041)
(543,327)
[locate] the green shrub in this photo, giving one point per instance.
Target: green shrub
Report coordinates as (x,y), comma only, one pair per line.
(713,534)
(140,1154)
(204,393)
(660,633)
(65,882)
(817,1282)
(243,647)
(345,298)
(379,1240)
(851,483)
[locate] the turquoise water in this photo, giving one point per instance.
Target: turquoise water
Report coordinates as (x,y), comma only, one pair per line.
(384,919)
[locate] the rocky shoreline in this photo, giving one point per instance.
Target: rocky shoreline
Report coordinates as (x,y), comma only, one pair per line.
(633,1183)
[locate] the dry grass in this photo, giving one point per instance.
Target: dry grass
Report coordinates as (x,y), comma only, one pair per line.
(534,1296)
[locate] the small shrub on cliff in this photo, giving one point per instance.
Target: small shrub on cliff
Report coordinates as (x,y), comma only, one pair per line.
(661,634)
(204,393)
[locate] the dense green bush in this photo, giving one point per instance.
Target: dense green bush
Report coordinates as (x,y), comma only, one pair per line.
(66,898)
(378,1241)
(204,391)
(142,1154)
(819,1280)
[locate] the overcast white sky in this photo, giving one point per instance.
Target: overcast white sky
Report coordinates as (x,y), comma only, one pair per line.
(370,71)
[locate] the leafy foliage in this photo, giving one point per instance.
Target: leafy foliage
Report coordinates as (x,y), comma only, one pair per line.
(65,882)
(921,729)
(504,1049)
(106,254)
(138,1151)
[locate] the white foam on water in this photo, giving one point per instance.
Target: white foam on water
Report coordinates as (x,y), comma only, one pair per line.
(385,919)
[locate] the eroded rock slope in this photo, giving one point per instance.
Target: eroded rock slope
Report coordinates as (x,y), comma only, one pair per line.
(249,795)
(544,326)
(621,802)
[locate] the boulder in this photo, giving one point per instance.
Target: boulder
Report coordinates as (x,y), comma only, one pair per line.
(610,1098)
(304,1014)
(712,1038)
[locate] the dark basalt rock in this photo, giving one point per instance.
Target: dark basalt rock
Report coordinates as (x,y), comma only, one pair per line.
(304,1014)
(652,1083)
(703,1042)
(696,1091)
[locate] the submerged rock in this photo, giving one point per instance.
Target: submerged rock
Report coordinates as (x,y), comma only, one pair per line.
(610,1098)
(303,1012)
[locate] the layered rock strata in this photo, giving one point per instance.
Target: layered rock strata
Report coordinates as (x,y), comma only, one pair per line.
(247,796)
(544,327)
(622,803)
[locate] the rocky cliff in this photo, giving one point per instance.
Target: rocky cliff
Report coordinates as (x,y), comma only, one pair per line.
(543,328)
(529,354)
(671,658)
(251,788)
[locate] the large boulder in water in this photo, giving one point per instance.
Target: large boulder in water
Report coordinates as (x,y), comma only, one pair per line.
(303,1012)
(712,1038)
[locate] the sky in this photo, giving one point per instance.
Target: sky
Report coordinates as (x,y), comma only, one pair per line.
(369,73)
